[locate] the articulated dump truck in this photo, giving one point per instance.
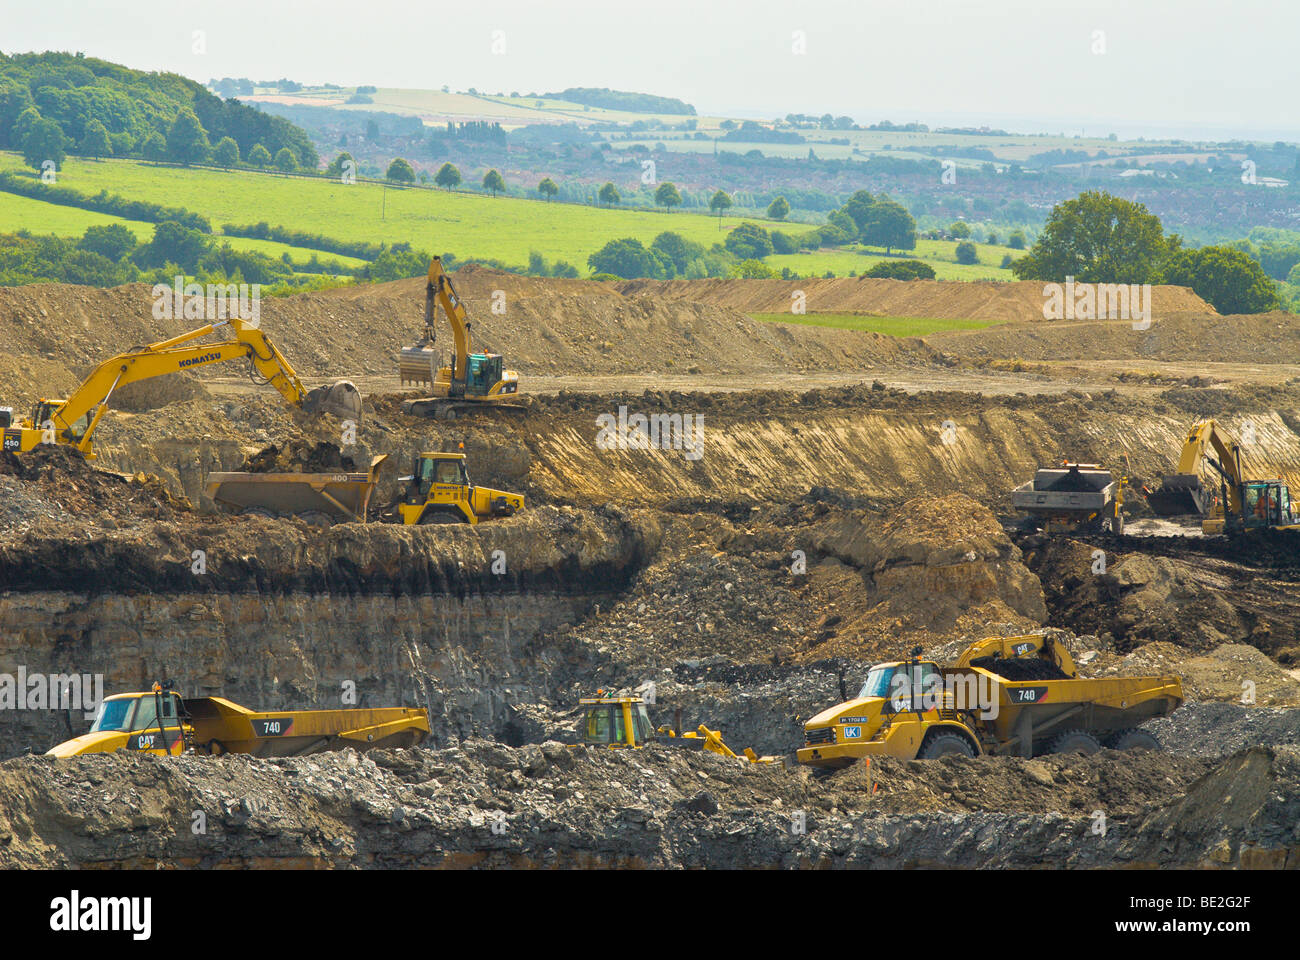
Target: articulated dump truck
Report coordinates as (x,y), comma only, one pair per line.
(1010,696)
(163,723)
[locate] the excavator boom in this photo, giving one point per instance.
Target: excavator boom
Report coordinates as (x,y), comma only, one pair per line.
(1184,493)
(73,421)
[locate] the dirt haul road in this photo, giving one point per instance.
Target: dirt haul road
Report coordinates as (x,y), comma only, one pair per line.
(631,566)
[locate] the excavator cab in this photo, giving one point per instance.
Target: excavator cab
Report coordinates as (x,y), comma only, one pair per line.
(483,374)
(1266,503)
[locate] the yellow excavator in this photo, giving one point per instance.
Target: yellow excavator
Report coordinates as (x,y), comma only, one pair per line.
(1238,505)
(72,421)
(472,380)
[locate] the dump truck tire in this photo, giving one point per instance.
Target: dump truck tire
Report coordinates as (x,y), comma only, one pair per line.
(945,745)
(1074,741)
(257,512)
(215,748)
(1132,739)
(317,518)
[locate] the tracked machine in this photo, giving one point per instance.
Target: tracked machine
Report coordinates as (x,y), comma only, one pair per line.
(72,421)
(1211,483)
(472,380)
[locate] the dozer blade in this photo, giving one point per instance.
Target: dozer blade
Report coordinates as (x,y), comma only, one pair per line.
(340,398)
(1180,494)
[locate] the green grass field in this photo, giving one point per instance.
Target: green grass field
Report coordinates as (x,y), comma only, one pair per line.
(940,254)
(39,218)
(890,326)
(469,225)
(466,224)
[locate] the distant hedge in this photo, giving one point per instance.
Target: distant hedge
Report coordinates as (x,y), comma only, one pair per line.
(103,202)
(299,238)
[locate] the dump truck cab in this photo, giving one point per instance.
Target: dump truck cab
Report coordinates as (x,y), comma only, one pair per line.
(439,490)
(146,722)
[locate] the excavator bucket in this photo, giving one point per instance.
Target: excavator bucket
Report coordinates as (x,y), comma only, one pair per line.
(418,363)
(1180,494)
(341,399)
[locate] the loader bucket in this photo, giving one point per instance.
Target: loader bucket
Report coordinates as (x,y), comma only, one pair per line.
(340,398)
(1180,494)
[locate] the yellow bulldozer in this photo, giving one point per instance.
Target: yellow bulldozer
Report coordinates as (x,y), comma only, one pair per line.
(73,420)
(622,722)
(161,722)
(1016,696)
(439,490)
(471,380)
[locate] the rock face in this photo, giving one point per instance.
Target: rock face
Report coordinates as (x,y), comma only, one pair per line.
(483,804)
(282,615)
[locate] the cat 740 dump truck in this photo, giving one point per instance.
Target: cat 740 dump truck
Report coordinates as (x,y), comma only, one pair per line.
(161,722)
(1017,696)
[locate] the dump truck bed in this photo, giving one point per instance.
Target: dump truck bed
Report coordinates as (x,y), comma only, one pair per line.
(1073,490)
(334,497)
(1043,708)
(291,733)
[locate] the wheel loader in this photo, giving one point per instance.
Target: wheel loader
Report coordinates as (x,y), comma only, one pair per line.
(622,722)
(439,490)
(472,380)
(73,420)
(161,722)
(1016,696)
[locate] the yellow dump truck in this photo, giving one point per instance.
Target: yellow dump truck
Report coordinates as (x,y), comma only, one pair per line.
(623,722)
(322,499)
(163,723)
(1018,696)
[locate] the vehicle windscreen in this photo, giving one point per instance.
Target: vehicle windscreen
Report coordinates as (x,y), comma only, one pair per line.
(112,715)
(877,684)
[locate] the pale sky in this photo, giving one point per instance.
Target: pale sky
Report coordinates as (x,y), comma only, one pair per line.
(1204,69)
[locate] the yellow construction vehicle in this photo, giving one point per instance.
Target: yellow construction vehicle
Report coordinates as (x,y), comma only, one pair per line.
(622,722)
(439,490)
(1239,504)
(161,722)
(73,420)
(1014,696)
(1073,498)
(472,379)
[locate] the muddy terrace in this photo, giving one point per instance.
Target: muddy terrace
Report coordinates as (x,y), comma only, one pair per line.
(631,566)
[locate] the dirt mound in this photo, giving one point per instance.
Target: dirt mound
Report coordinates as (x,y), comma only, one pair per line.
(933,570)
(58,476)
(1243,813)
(1185,333)
(1021,668)
(1227,673)
(540,326)
(299,456)
(992,301)
(1215,730)
(145,395)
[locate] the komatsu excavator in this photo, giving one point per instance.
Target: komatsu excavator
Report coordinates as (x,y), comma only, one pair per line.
(472,380)
(1238,505)
(72,421)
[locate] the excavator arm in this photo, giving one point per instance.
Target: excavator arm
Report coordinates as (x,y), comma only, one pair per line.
(1183,492)
(73,420)
(440,292)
